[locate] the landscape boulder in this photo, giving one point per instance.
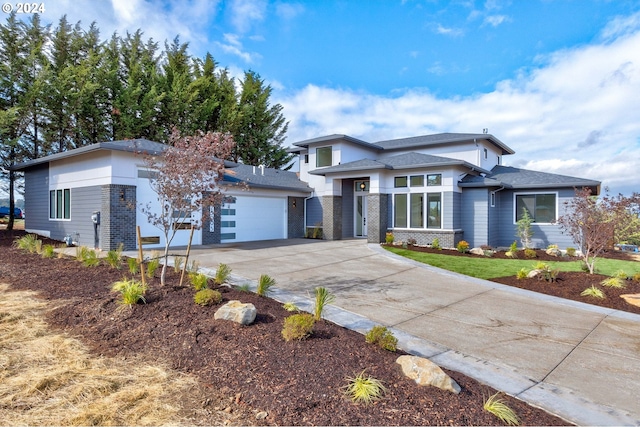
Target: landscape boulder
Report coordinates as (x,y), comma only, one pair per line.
(534,273)
(425,372)
(553,251)
(477,251)
(238,312)
(633,299)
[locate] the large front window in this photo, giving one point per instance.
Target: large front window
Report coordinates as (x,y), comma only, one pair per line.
(410,210)
(324,156)
(540,207)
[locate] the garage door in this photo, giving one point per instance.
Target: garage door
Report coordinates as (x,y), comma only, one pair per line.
(249,218)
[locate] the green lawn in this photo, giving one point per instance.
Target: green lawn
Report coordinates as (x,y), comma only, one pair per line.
(489,268)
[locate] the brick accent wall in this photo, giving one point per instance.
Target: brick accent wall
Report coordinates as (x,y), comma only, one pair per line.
(295,217)
(332,217)
(377,217)
(447,238)
(211,235)
(118,217)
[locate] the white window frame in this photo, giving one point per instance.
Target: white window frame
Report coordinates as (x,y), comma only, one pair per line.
(54,217)
(530,193)
(330,147)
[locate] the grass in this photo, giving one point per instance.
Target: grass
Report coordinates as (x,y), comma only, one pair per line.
(223,272)
(496,406)
(323,298)
(265,285)
(490,268)
(131,291)
(69,386)
(592,291)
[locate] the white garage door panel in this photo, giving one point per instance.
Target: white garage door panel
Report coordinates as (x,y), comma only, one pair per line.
(257,218)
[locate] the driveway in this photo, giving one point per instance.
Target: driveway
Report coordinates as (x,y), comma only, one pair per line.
(575,360)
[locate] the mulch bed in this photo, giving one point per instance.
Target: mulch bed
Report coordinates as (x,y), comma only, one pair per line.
(244,369)
(569,285)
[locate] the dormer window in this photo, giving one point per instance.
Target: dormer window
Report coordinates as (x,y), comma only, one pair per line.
(486,154)
(324,156)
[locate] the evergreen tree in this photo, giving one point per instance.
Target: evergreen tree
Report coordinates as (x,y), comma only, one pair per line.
(261,128)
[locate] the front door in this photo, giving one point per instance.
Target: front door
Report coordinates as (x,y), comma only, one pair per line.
(361,215)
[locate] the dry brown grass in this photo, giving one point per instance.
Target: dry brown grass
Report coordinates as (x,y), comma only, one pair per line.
(50,379)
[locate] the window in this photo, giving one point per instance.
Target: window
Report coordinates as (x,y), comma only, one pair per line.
(306,158)
(541,207)
(486,154)
(417,210)
(400,181)
(434,179)
(434,210)
(324,156)
(493,199)
(60,204)
(400,211)
(416,181)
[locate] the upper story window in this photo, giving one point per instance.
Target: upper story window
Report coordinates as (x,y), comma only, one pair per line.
(324,156)
(542,208)
(400,181)
(416,181)
(486,154)
(434,179)
(60,204)
(306,158)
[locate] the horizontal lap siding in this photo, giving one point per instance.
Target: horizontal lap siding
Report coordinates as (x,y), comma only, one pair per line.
(36,204)
(84,201)
(475,216)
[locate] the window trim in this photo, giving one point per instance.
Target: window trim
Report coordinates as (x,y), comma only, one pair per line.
(330,148)
(395,181)
(434,185)
(425,210)
(535,193)
(60,204)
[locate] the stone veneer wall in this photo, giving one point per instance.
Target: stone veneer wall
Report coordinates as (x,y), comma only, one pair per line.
(331,217)
(377,217)
(211,235)
(447,238)
(118,217)
(295,217)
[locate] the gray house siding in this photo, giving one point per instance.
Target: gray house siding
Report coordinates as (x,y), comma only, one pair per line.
(543,235)
(347,209)
(451,210)
(84,201)
(494,220)
(475,216)
(36,205)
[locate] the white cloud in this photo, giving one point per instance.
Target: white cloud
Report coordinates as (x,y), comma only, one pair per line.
(246,12)
(288,11)
(453,32)
(576,114)
(233,46)
(495,20)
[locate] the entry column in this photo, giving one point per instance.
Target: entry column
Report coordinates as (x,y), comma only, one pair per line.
(377,217)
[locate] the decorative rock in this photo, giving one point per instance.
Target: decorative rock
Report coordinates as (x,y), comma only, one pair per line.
(238,312)
(425,372)
(262,415)
(533,273)
(554,251)
(477,251)
(633,299)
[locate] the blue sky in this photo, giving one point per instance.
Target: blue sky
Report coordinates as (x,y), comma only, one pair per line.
(556,80)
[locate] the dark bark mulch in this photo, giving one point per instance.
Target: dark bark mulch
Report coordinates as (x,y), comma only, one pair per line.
(251,368)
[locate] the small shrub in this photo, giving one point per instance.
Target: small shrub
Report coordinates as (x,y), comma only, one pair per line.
(552,247)
(486,247)
(411,241)
(621,274)
(636,277)
(290,306)
(27,243)
(323,298)
(496,406)
(131,291)
(81,253)
(198,280)
(134,267)
(265,283)
(382,337)
(363,388)
(48,251)
(193,266)
(436,244)
(592,291)
(389,238)
(153,264)
(178,261)
(462,246)
(571,252)
(207,297)
(114,257)
(245,287)
(298,326)
(613,282)
(38,248)
(530,253)
(514,247)
(488,253)
(522,273)
(91,258)
(540,265)
(222,274)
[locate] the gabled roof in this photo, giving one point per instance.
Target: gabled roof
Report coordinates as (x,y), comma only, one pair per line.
(399,162)
(329,138)
(439,139)
(516,178)
(143,146)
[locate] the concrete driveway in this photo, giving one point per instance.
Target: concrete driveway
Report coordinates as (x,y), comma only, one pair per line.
(576,360)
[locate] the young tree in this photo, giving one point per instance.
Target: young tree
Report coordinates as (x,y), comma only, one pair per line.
(591,223)
(525,233)
(185,178)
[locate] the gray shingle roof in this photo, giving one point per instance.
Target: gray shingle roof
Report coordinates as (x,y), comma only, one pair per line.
(441,138)
(516,178)
(271,178)
(330,138)
(401,161)
(130,145)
